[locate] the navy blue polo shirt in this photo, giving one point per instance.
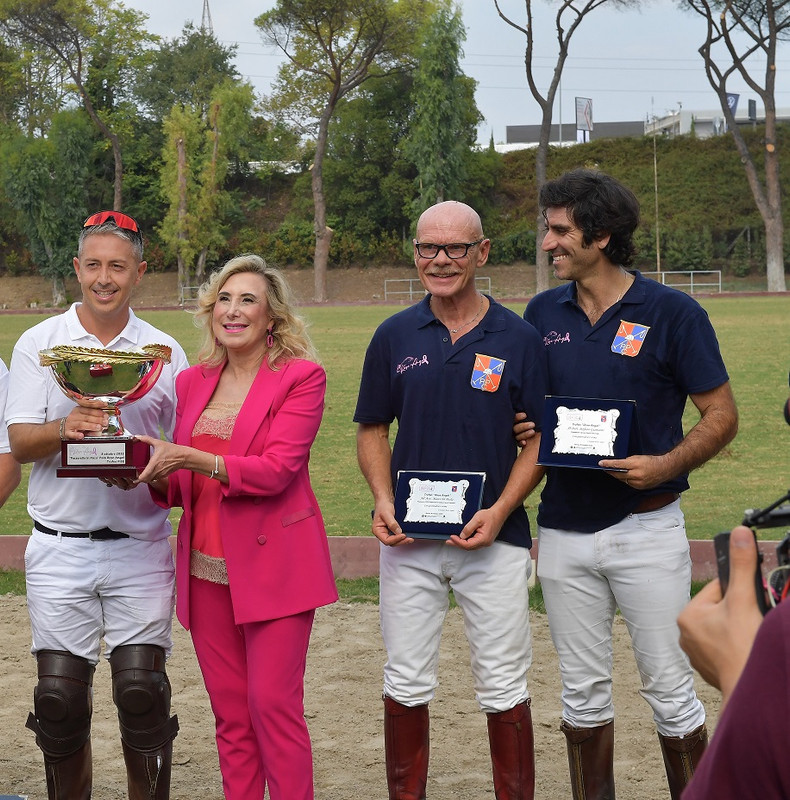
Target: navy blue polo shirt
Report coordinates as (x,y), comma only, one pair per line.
(449,417)
(656,346)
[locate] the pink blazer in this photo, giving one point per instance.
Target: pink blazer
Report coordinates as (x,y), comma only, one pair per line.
(272,531)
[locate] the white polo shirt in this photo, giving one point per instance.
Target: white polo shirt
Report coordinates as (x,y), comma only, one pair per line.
(85,504)
(4,446)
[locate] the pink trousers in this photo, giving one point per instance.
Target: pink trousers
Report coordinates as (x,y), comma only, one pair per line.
(254,674)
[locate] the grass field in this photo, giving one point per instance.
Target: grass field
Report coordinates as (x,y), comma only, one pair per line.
(752,472)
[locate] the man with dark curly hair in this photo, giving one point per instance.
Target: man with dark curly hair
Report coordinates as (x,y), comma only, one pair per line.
(612,536)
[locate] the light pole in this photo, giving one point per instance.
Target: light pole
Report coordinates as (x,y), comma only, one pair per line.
(655,189)
(560,110)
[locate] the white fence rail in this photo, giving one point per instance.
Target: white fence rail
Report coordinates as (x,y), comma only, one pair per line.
(187,294)
(689,280)
(410,289)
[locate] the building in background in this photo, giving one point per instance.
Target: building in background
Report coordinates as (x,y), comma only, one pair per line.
(701,124)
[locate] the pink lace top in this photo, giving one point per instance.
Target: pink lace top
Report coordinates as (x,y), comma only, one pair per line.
(211,434)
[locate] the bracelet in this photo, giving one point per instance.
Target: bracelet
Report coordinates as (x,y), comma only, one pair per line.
(215,471)
(63,429)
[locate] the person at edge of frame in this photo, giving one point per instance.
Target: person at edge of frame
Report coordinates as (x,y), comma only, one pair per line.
(746,657)
(615,537)
(453,370)
(98,563)
(10,469)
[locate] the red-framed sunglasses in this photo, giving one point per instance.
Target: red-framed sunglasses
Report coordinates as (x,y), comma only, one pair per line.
(121,220)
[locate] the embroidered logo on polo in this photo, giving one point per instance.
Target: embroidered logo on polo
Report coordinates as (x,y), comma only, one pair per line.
(487,372)
(410,362)
(629,338)
(553,337)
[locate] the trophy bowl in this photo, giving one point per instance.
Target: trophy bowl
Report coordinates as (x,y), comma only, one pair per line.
(116,378)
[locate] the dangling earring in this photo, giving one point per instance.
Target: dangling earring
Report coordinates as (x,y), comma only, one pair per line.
(269,337)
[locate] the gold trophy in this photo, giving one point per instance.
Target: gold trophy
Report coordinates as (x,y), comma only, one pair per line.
(117,378)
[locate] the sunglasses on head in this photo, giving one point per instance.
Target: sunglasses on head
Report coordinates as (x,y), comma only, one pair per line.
(121,220)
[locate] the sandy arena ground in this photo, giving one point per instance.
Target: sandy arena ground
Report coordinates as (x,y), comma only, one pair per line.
(344,712)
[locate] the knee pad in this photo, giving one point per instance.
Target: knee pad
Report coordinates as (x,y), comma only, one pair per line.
(141,692)
(62,703)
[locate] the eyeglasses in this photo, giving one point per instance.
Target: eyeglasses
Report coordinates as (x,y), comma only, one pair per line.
(121,220)
(455,251)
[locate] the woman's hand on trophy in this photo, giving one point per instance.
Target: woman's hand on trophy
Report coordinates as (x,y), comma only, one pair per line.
(165,459)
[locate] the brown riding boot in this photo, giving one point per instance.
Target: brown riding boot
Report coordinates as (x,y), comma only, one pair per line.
(681,756)
(148,774)
(61,720)
(512,753)
(141,692)
(69,778)
(591,761)
(406,747)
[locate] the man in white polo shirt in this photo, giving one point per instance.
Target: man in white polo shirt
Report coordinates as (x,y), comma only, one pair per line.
(98,563)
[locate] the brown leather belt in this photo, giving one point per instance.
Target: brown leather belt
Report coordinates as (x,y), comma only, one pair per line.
(655,501)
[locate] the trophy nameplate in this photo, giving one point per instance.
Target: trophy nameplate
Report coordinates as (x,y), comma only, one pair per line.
(117,378)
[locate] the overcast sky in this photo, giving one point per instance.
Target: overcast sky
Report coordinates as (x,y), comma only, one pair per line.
(631,64)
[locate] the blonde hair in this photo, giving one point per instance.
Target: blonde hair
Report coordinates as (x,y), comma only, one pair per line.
(289,330)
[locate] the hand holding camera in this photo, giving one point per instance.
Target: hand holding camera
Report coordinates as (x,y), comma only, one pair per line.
(721,546)
(775,586)
(717,630)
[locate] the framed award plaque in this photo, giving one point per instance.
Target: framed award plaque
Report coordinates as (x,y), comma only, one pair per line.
(580,431)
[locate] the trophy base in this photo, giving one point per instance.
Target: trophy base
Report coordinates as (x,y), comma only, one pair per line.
(103,457)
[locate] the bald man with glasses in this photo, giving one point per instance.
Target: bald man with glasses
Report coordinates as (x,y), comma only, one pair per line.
(452,370)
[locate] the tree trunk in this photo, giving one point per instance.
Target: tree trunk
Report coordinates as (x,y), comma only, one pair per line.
(117,196)
(58,291)
(541,160)
(772,217)
(774,254)
(200,266)
(767,195)
(323,240)
(183,281)
(323,233)
(181,236)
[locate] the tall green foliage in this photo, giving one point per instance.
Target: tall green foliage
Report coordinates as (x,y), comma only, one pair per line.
(32,88)
(369,181)
(688,249)
(443,128)
(45,180)
(185,70)
(331,49)
(182,128)
(196,154)
(83,37)
(228,121)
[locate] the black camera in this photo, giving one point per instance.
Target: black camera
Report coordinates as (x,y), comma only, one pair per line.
(775,586)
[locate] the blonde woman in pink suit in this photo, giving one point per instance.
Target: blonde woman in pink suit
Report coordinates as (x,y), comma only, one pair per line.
(252,563)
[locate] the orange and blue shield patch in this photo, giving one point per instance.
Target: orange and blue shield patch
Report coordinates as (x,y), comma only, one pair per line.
(487,372)
(629,338)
